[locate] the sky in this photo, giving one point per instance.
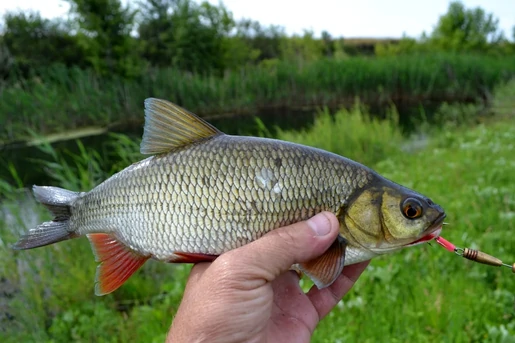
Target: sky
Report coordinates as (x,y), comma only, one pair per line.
(341,18)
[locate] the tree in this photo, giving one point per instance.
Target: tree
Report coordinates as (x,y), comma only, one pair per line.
(328,42)
(104,28)
(33,42)
(264,41)
(466,29)
(184,34)
(303,48)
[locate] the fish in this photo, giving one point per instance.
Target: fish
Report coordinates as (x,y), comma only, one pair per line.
(202,193)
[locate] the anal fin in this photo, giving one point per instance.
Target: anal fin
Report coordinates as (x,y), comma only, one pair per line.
(184,257)
(326,268)
(117,262)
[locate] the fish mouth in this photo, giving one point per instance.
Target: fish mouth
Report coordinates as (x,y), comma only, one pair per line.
(432,232)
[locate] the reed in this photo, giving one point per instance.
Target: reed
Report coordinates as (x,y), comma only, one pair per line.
(64,99)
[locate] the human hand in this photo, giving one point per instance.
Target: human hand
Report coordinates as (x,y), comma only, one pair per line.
(248,294)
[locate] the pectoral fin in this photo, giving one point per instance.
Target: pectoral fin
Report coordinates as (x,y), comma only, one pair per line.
(325,269)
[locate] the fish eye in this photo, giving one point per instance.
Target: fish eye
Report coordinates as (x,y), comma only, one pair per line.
(411,208)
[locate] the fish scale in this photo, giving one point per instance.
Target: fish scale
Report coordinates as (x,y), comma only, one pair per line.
(204,193)
(267,192)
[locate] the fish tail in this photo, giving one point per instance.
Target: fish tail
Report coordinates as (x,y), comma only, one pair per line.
(59,201)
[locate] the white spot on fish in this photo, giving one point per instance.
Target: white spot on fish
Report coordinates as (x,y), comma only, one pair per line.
(261,181)
(277,188)
(266,180)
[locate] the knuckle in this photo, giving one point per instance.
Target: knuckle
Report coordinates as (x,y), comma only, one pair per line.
(234,272)
(226,262)
(224,270)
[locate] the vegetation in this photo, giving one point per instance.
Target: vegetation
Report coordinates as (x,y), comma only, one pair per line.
(63,99)
(203,38)
(460,29)
(422,294)
(93,69)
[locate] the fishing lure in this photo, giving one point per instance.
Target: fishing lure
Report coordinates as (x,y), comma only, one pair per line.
(474,255)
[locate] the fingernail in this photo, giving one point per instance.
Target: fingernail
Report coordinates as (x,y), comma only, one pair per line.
(320,224)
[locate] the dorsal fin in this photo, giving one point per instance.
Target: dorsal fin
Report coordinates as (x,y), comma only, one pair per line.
(168,126)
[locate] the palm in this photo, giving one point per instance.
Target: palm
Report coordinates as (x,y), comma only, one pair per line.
(277,311)
(248,294)
(293,316)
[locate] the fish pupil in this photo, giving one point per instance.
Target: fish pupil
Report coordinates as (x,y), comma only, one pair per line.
(411,212)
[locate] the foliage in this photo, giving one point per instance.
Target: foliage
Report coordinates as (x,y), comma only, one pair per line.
(31,40)
(61,75)
(70,98)
(303,48)
(266,42)
(503,102)
(404,46)
(185,35)
(204,38)
(104,33)
(466,29)
(458,114)
(352,133)
(459,30)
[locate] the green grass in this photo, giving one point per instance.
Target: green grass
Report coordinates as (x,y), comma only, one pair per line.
(422,294)
(61,98)
(352,133)
(426,294)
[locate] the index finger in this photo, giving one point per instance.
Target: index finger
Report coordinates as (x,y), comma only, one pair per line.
(324,300)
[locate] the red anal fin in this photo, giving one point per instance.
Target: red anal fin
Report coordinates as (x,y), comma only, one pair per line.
(326,268)
(117,262)
(186,257)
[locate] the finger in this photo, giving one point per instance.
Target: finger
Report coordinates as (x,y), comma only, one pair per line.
(197,270)
(195,276)
(324,300)
(274,253)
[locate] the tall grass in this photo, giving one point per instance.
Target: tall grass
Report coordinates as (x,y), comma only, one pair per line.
(61,98)
(503,103)
(353,133)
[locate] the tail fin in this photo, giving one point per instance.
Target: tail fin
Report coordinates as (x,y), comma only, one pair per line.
(59,202)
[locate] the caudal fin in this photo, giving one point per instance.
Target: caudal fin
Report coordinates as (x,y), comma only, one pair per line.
(59,202)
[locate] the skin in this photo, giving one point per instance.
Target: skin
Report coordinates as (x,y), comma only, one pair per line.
(250,295)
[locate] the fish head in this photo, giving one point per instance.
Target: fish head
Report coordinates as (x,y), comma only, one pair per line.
(385,217)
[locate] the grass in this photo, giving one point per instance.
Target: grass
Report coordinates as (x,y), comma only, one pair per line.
(426,294)
(422,294)
(352,133)
(65,99)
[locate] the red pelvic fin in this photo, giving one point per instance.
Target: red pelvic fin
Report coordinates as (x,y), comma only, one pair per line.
(185,257)
(117,262)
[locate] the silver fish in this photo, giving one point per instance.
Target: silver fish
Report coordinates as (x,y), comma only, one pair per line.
(203,193)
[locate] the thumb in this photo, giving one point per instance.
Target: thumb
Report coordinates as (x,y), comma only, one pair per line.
(274,253)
